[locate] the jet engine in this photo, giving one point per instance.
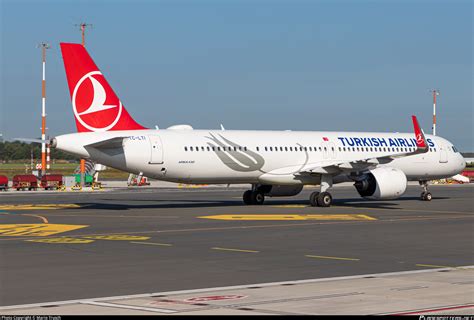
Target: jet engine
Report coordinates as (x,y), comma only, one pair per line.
(381,183)
(281,191)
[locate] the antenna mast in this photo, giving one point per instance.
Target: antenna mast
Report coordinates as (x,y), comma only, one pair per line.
(435,93)
(83,27)
(43,47)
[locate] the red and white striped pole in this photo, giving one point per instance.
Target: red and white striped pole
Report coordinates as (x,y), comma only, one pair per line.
(435,93)
(43,46)
(48,157)
(83,161)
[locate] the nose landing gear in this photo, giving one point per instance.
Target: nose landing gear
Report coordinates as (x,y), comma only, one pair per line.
(425,195)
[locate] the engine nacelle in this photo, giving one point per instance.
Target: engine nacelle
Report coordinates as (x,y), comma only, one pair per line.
(382,183)
(281,191)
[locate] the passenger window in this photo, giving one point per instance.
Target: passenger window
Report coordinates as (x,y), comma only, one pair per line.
(208,149)
(191,148)
(271,149)
(286,148)
(266,149)
(257,149)
(185,149)
(218,148)
(202,148)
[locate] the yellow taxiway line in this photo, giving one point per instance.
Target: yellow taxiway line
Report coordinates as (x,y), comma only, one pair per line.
(38,206)
(153,244)
(333,258)
(236,250)
(36,230)
(288,217)
(62,240)
(432,266)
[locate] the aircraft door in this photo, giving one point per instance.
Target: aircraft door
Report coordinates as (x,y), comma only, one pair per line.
(443,154)
(156,156)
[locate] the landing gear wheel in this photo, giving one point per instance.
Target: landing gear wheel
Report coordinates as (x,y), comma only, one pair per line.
(427,196)
(257,197)
(422,196)
(313,199)
(324,199)
(248,197)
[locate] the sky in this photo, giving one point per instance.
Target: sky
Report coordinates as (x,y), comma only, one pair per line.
(248,64)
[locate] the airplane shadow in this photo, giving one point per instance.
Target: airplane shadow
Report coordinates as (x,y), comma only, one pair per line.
(183,204)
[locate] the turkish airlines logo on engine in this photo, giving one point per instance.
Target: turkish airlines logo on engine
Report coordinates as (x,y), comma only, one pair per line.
(94,103)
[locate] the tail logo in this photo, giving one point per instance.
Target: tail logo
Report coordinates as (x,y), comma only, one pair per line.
(96,107)
(419,140)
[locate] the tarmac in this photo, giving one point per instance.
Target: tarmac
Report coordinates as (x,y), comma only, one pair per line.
(195,250)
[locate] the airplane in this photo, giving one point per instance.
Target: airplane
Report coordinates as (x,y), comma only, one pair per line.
(274,163)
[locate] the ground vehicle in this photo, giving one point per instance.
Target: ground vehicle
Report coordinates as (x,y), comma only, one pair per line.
(88,179)
(3,183)
(52,181)
(25,181)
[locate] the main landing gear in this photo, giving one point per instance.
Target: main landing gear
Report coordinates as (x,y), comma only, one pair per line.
(322,198)
(254,196)
(425,195)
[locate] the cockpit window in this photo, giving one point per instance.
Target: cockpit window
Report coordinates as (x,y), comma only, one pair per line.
(454,149)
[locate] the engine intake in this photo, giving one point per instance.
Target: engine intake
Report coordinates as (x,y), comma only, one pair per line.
(382,183)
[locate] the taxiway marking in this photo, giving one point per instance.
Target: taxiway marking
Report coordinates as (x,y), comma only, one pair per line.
(36,230)
(38,206)
(62,240)
(432,266)
(332,258)
(249,227)
(153,244)
(236,250)
(288,217)
(37,216)
(117,237)
(43,219)
(125,306)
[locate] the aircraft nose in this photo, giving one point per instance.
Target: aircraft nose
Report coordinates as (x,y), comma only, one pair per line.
(463,163)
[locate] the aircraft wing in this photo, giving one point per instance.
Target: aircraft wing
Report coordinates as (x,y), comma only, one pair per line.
(336,167)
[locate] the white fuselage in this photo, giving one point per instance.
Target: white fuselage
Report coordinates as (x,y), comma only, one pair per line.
(264,157)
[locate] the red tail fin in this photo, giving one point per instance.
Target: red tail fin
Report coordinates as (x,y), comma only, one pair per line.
(96,106)
(420,137)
